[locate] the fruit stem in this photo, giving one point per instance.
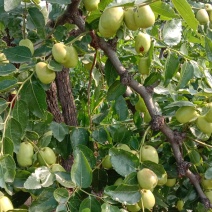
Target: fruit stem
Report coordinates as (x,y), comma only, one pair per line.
(200,142)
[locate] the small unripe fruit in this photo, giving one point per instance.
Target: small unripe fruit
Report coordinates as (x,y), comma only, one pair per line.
(208,115)
(148,152)
(162,180)
(144,17)
(124,147)
(142,43)
(147,179)
(106,163)
(202,16)
(27,43)
(129,19)
(144,65)
(44,74)
(180,205)
(171,182)
(118,181)
(133,208)
(185,114)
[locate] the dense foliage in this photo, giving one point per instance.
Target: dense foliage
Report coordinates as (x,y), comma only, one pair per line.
(105,105)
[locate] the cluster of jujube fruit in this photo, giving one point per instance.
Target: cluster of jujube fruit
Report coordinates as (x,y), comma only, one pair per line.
(146,178)
(135,18)
(25,155)
(203,121)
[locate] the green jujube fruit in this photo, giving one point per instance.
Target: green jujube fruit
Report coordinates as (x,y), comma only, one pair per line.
(202,16)
(5,204)
(44,74)
(129,19)
(142,43)
(147,199)
(46,155)
(208,115)
(144,17)
(91,5)
(185,114)
(144,65)
(147,179)
(106,163)
(148,152)
(133,208)
(27,43)
(25,154)
(203,125)
(110,21)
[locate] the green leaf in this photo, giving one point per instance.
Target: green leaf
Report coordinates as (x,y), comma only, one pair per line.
(110,73)
(44,202)
(81,172)
(79,136)
(35,97)
(8,147)
(123,162)
(152,78)
(100,135)
(208,77)
(185,10)
(187,72)
(7,69)
(127,194)
(59,2)
(121,135)
(163,9)
(61,195)
(7,82)
(45,139)
(11,4)
(74,202)
(109,208)
(131,179)
(179,104)
(90,204)
(18,54)
(195,157)
(59,130)
(100,179)
(20,178)
(7,172)
(121,108)
(172,32)
(21,113)
(88,154)
(3,105)
(14,132)
(208,173)
(36,17)
(208,48)
(64,179)
(115,90)
(42,177)
(171,67)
